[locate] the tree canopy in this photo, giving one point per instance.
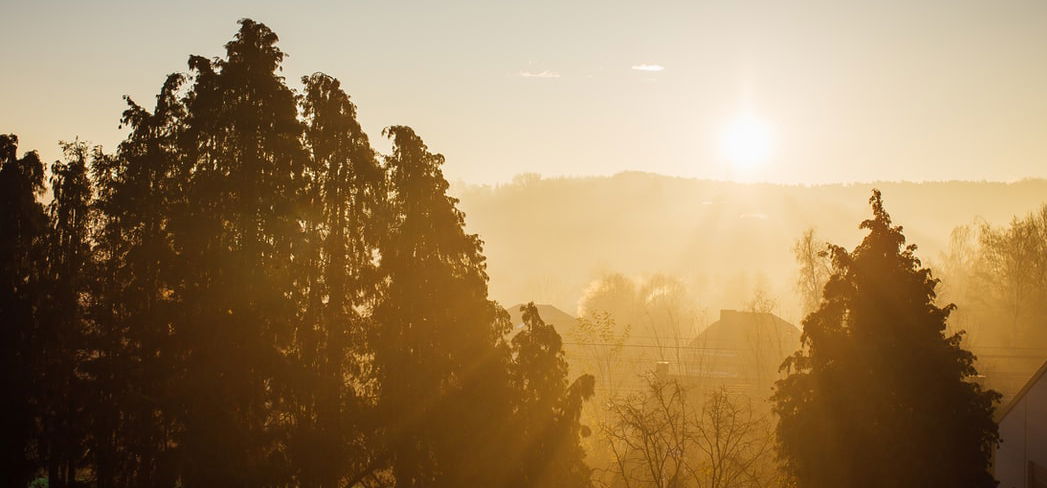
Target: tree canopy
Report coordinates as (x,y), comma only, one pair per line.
(246,293)
(880,395)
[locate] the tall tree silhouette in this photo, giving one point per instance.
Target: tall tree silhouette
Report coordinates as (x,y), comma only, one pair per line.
(547,452)
(64,323)
(235,234)
(879,396)
(438,353)
(343,198)
(244,295)
(23,228)
(134,305)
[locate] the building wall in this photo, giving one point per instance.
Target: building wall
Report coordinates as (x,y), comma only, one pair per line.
(1023,431)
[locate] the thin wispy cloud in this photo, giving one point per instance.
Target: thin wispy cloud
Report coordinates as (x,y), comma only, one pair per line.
(648,67)
(539,74)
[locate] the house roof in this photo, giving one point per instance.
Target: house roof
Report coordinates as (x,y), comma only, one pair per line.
(737,329)
(1039,374)
(560,320)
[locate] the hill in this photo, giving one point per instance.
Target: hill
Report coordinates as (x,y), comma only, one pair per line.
(547,239)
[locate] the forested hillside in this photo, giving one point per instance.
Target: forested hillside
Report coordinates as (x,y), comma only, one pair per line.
(723,239)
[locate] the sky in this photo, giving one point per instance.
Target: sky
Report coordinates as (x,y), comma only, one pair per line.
(789,92)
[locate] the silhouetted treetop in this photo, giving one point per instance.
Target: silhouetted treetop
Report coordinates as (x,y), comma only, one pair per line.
(23,230)
(247,294)
(254,48)
(878,383)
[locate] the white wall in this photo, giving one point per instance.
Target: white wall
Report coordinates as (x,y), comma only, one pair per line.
(1024,434)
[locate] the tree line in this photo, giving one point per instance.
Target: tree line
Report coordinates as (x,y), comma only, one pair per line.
(246,293)
(999,274)
(881,393)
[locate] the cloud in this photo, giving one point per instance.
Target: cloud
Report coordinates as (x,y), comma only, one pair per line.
(648,67)
(543,74)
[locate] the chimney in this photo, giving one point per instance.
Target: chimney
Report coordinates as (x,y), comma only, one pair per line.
(661,369)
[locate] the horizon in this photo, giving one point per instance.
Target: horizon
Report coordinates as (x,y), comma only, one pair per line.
(523,176)
(774,245)
(930,92)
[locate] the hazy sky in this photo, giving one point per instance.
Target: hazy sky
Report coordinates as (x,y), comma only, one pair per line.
(841,92)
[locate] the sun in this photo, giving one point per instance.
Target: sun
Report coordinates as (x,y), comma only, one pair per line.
(746,142)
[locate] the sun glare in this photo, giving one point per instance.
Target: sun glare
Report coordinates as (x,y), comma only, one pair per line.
(746,142)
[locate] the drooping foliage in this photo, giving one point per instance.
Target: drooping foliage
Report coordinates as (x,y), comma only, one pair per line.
(343,198)
(879,395)
(137,189)
(548,409)
(64,320)
(438,352)
(23,228)
(247,294)
(236,232)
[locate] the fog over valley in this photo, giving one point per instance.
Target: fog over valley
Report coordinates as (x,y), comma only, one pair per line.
(547,239)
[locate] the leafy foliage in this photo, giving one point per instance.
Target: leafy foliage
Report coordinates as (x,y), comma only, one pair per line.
(247,294)
(879,395)
(548,409)
(23,227)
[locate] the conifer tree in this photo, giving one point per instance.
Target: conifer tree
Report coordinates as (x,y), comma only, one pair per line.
(438,353)
(879,395)
(68,268)
(235,232)
(23,227)
(133,306)
(243,295)
(343,196)
(546,451)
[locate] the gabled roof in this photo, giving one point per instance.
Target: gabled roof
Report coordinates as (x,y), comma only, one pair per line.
(1021,393)
(562,321)
(737,329)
